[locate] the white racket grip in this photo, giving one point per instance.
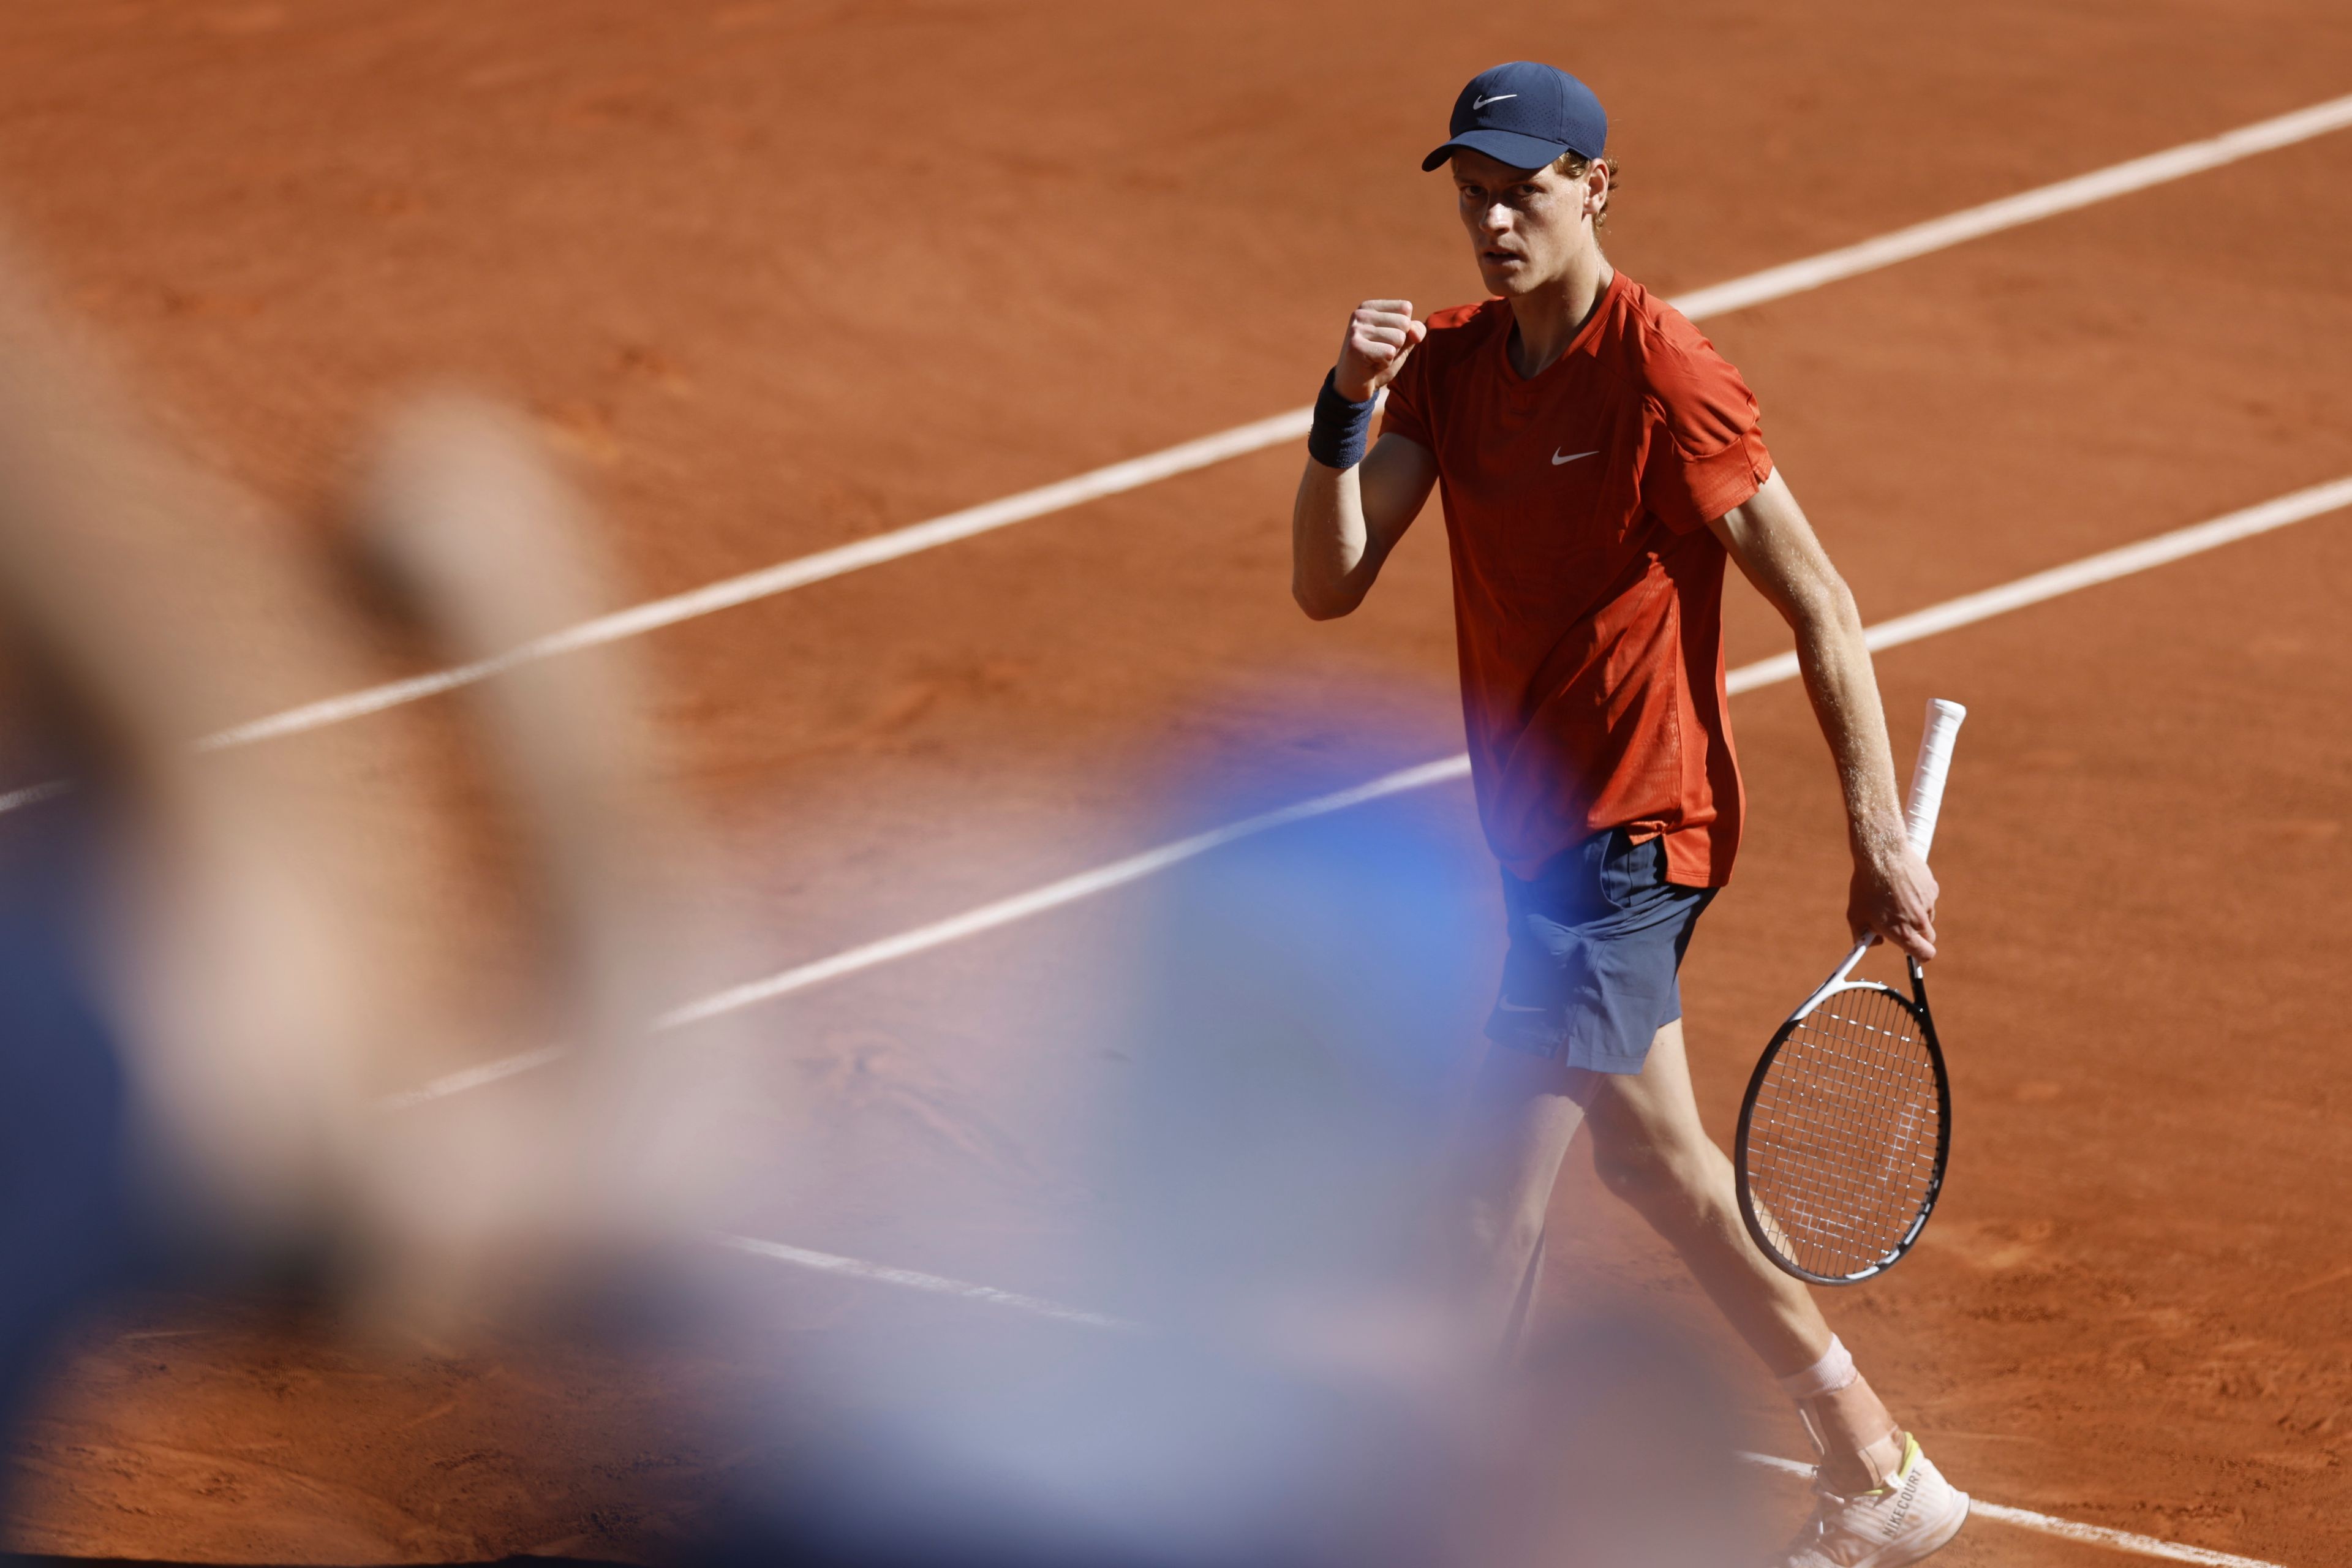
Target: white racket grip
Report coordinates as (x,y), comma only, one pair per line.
(1927,775)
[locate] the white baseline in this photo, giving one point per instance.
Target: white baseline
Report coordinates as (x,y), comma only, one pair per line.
(1756,288)
(1969,608)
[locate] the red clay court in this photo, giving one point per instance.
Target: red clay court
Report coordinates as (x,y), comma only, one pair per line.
(778,277)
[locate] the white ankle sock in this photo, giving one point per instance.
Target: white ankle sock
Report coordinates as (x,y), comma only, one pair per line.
(1834,1371)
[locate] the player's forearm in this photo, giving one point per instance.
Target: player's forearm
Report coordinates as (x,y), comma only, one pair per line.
(1844,688)
(1331,564)
(1335,552)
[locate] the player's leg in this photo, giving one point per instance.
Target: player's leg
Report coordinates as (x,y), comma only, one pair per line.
(1515,1131)
(1879,1500)
(1519,1117)
(1650,1149)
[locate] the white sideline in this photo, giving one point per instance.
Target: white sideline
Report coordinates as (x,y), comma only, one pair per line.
(1773,283)
(2297,507)
(988,1295)
(2066,1529)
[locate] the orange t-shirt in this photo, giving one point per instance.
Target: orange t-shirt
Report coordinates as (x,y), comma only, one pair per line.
(1588,592)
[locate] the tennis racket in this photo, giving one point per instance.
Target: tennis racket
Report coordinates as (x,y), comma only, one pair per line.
(1848,1121)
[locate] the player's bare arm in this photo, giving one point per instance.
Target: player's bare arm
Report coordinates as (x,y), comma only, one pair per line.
(1346,520)
(1893,894)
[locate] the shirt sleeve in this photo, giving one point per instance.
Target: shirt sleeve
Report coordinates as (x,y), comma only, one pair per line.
(1707,455)
(1406,413)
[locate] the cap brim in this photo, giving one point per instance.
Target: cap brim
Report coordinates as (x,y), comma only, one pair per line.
(1502,146)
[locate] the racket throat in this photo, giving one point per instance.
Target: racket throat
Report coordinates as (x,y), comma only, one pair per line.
(1844,973)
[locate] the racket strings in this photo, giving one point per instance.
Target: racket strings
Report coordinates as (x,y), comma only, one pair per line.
(1842,1142)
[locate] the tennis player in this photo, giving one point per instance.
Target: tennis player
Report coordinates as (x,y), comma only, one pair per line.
(1598,462)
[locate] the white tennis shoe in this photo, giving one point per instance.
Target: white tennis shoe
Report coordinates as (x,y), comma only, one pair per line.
(1900,1523)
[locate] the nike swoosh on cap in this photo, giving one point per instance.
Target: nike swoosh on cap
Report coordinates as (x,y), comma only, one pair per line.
(1496,99)
(1556,460)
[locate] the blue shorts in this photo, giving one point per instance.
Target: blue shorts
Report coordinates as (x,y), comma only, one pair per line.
(1596,938)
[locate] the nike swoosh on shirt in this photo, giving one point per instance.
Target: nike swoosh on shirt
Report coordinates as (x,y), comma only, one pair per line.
(1496,99)
(1556,460)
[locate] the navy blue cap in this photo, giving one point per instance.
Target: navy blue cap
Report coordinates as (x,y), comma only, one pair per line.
(1525,115)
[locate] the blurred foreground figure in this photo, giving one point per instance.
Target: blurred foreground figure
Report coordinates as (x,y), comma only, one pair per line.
(202,1020)
(65,1217)
(1274,1385)
(1029,1448)
(210,969)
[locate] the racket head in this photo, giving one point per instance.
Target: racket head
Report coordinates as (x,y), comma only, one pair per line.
(1845,1132)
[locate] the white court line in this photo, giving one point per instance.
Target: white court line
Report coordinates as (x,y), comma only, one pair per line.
(2118,1539)
(2300,506)
(1969,608)
(1952,613)
(988,1295)
(1069,889)
(1773,283)
(475,1077)
(2066,1529)
(2026,206)
(913,1279)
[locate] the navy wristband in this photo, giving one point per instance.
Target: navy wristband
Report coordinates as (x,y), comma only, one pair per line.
(1341,429)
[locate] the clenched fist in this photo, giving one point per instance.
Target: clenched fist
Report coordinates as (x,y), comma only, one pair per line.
(1379,335)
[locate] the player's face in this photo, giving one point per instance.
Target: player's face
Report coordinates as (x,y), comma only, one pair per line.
(1525,224)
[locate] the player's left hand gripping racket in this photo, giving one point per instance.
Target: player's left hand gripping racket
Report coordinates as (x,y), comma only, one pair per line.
(1848,1119)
